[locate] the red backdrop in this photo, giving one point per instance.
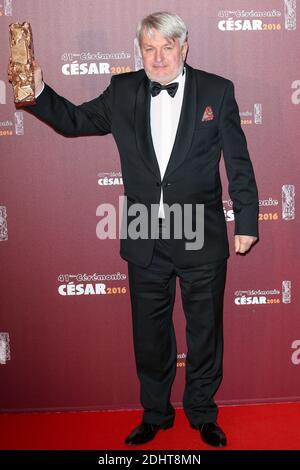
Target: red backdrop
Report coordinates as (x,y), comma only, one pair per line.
(63,345)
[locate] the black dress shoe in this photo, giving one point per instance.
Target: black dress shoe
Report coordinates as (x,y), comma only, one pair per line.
(143,433)
(212,434)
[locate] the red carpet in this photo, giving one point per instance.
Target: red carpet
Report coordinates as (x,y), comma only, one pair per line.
(251,427)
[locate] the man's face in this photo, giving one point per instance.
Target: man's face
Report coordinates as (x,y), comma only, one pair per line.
(163,58)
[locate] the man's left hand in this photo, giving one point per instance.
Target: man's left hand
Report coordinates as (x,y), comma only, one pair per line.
(243,243)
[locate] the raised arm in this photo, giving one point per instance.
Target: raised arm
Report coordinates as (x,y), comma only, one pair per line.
(90,118)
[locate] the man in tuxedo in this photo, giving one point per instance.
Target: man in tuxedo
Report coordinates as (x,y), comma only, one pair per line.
(171,122)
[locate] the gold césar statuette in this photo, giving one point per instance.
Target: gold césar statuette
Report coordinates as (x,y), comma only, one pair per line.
(21,46)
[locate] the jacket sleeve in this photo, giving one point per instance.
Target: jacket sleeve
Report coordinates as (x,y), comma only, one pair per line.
(90,118)
(242,186)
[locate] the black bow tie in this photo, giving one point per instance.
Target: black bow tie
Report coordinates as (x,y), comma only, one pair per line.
(155,88)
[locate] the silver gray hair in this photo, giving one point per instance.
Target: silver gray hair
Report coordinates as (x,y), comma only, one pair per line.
(168,24)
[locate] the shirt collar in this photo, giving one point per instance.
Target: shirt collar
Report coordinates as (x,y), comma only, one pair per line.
(180,78)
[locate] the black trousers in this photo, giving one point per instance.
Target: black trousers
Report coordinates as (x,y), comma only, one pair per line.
(152,291)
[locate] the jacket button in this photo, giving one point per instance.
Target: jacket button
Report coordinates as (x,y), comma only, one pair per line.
(157,184)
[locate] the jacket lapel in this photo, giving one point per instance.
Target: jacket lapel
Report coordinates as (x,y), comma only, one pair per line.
(185,129)
(142,127)
(186,125)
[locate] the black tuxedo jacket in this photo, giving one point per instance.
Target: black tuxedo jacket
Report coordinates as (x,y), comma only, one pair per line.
(192,175)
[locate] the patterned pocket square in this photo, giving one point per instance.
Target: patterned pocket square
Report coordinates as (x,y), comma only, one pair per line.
(208,114)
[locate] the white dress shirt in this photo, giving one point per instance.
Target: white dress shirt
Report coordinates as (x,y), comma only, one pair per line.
(164,118)
(38,94)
